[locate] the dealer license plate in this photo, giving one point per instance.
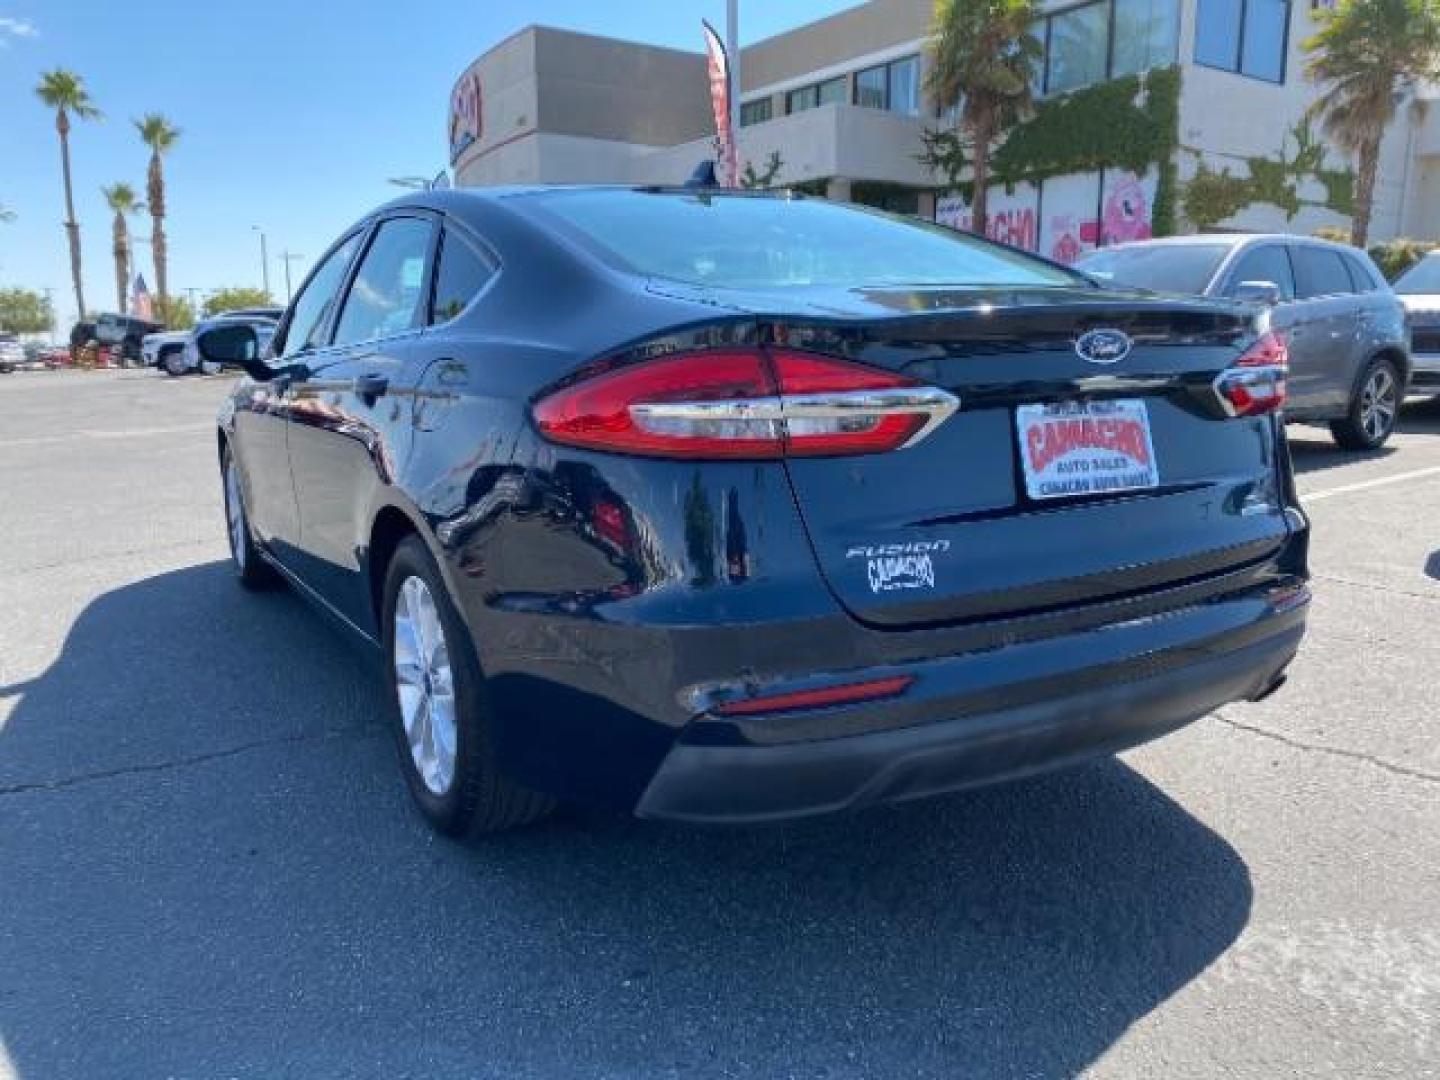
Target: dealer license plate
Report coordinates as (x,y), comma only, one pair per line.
(1086,448)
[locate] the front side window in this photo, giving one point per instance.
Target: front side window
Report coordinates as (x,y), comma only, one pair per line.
(460,274)
(749,242)
(1248,37)
(1079,44)
(1147,35)
(1269,263)
(387,295)
(1320,272)
(311,310)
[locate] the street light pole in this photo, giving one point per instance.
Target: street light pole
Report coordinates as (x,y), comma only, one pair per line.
(264,260)
(288,257)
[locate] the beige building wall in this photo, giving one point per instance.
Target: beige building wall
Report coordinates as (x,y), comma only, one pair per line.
(1228,118)
(606,103)
(599,88)
(624,112)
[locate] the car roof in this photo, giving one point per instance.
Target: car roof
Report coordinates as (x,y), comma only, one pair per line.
(1231,240)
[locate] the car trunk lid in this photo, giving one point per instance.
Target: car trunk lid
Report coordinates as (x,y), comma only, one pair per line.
(1010,506)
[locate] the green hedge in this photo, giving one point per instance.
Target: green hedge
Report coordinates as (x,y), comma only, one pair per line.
(1131,123)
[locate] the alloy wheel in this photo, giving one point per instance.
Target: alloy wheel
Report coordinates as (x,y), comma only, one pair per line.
(425,685)
(235,513)
(1379,403)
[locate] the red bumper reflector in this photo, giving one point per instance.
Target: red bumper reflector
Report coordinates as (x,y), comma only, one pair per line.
(847,694)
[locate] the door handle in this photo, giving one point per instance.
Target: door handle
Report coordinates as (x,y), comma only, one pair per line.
(371,386)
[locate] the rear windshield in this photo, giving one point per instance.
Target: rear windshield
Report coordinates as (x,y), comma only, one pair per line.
(746,242)
(1177,268)
(1423,277)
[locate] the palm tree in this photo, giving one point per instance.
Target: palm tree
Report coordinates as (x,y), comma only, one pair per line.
(982,56)
(1367,54)
(160,135)
(121,199)
(65,92)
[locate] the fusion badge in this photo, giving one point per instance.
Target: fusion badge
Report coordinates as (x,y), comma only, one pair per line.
(899,566)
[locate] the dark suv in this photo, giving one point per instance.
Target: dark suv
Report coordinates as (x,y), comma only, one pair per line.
(1349,351)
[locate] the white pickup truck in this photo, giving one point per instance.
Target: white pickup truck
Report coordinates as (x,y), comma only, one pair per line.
(157,350)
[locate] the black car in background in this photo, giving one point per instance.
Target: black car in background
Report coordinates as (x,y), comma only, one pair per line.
(1343,326)
(722,507)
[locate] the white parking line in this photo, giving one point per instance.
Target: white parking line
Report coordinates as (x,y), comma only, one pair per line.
(93,433)
(1366,485)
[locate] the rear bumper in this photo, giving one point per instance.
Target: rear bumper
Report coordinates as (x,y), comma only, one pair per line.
(738,784)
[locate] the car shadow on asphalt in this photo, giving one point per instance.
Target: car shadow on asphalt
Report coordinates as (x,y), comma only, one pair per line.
(211,868)
(1313,450)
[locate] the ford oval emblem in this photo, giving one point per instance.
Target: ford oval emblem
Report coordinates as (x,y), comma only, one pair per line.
(1103,346)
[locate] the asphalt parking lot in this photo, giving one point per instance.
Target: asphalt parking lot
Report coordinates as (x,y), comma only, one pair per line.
(209,868)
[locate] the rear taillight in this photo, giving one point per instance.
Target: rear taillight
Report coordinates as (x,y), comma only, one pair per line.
(749,404)
(1255,383)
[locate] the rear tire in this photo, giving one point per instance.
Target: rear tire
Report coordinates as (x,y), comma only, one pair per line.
(174,363)
(250,566)
(1374,409)
(441,718)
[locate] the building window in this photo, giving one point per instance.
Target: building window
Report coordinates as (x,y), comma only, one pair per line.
(1147,35)
(894,86)
(1079,47)
(756,112)
(872,88)
(829,92)
(1106,39)
(1248,37)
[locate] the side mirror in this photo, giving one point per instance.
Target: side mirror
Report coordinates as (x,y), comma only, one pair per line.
(1258,292)
(234,346)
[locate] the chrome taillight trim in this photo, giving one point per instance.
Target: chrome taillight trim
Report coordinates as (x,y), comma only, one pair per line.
(1275,374)
(935,404)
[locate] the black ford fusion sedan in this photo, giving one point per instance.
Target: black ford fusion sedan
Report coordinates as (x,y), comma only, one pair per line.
(721,507)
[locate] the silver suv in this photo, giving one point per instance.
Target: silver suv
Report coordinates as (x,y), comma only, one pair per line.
(1419,290)
(1349,347)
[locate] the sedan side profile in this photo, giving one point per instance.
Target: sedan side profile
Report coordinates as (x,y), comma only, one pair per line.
(727,507)
(1343,326)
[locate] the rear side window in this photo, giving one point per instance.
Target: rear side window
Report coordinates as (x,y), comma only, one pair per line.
(747,242)
(460,274)
(316,300)
(1360,275)
(387,295)
(1171,268)
(1320,272)
(1269,263)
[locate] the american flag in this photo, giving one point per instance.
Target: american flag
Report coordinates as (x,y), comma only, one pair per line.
(142,306)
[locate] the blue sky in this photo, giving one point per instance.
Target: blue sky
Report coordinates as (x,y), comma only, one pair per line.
(292,114)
